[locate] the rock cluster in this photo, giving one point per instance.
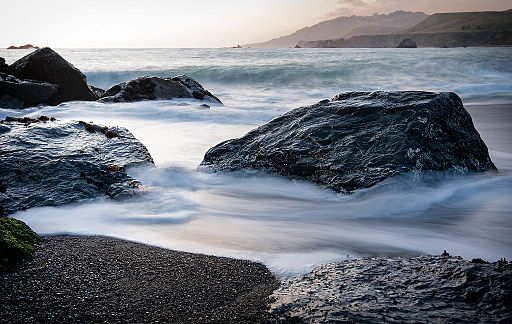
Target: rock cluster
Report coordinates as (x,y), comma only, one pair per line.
(44,77)
(45,162)
(359,139)
(425,289)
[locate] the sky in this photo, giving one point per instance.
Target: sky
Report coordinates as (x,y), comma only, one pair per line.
(190,23)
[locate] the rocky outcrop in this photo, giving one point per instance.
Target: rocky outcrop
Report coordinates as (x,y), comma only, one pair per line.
(48,66)
(425,289)
(359,139)
(44,162)
(26,46)
(18,94)
(407,43)
(44,77)
(156,88)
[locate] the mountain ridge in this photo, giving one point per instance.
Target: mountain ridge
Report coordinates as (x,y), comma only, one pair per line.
(485,28)
(340,26)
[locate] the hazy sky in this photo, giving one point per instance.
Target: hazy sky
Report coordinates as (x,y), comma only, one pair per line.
(189,23)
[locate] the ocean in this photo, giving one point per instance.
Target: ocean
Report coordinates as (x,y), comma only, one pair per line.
(291,226)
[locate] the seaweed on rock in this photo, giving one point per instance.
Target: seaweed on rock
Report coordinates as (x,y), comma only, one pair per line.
(17,242)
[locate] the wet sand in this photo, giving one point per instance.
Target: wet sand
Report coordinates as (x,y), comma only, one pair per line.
(105,280)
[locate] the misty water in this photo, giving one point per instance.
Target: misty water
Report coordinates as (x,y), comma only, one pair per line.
(291,226)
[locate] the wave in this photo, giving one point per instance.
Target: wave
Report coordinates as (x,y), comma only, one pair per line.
(293,225)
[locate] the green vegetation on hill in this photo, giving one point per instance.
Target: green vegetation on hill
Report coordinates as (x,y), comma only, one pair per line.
(17,242)
(486,21)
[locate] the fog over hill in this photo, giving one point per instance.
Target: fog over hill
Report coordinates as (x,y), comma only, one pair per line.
(351,26)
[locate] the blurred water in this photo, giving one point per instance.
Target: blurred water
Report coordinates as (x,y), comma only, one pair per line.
(291,226)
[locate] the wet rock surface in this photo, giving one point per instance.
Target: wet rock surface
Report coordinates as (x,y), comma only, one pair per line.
(156,88)
(4,68)
(46,65)
(18,94)
(414,290)
(359,139)
(104,280)
(44,162)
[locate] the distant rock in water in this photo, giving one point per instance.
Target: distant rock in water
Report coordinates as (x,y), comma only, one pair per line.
(18,94)
(50,163)
(26,46)
(407,43)
(48,66)
(359,139)
(156,88)
(425,289)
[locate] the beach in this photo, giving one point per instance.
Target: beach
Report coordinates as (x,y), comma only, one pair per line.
(99,279)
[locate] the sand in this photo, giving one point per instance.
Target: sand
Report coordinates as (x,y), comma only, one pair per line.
(97,279)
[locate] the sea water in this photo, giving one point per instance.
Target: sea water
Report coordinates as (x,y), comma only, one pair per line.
(291,226)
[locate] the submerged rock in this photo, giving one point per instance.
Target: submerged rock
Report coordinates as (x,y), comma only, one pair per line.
(44,162)
(359,139)
(48,66)
(17,94)
(425,289)
(97,91)
(407,43)
(156,88)
(17,242)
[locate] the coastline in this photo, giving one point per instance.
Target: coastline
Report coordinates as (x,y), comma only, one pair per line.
(99,279)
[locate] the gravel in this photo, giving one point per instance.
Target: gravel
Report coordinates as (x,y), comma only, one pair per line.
(106,280)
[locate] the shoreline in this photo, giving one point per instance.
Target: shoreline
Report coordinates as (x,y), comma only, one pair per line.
(99,279)
(102,279)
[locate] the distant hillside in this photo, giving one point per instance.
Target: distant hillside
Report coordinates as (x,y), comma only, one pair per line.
(354,25)
(490,28)
(493,21)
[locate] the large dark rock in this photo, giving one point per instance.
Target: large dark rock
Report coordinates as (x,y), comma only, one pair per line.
(48,66)
(359,139)
(50,163)
(156,88)
(17,94)
(4,68)
(407,43)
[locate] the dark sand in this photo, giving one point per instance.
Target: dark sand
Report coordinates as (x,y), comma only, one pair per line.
(105,280)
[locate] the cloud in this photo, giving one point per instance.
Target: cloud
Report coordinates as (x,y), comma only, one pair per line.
(368,7)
